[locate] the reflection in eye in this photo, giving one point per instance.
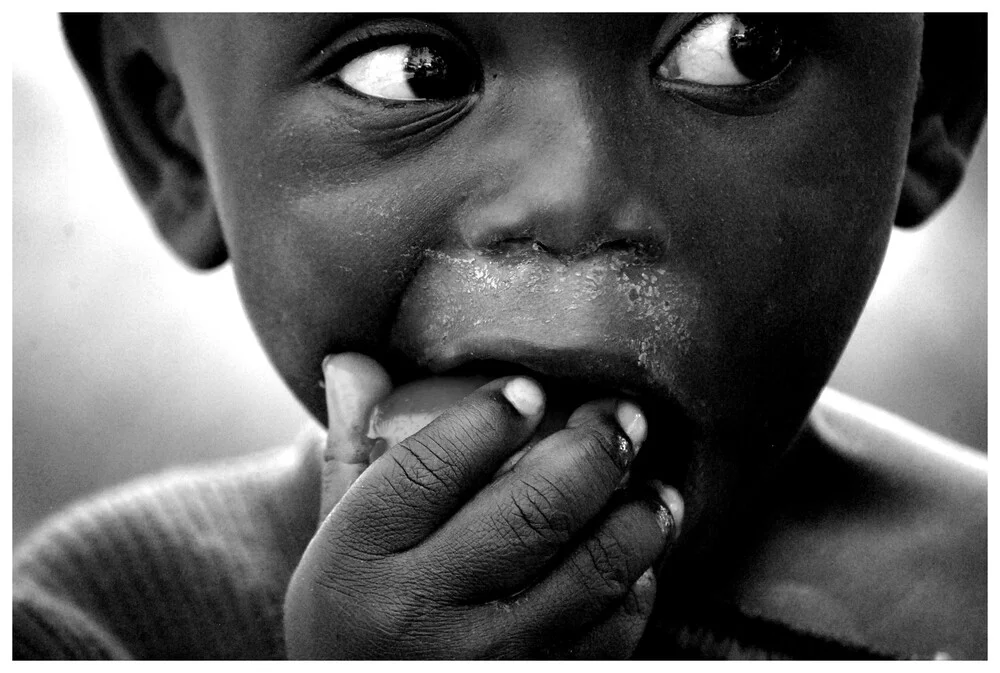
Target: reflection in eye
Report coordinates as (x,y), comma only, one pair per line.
(729,50)
(405,72)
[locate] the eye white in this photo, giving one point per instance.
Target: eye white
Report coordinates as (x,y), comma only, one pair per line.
(703,55)
(381,73)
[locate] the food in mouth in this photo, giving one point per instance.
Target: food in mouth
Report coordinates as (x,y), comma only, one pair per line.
(412,406)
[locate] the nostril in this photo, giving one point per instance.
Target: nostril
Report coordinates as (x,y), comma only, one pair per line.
(505,244)
(620,245)
(518,243)
(641,250)
(538,246)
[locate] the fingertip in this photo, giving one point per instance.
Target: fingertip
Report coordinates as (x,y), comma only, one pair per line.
(669,508)
(354,384)
(354,369)
(525,395)
(675,503)
(633,422)
(646,579)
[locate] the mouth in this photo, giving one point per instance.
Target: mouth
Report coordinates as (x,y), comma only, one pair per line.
(570,377)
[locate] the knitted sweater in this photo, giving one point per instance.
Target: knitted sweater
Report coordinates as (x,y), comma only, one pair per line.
(190,564)
(194,564)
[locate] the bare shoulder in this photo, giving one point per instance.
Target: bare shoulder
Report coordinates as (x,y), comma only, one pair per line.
(883,537)
(951,475)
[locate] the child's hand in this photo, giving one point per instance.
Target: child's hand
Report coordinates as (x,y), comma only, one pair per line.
(425,556)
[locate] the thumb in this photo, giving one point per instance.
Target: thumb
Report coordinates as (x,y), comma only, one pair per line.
(354,383)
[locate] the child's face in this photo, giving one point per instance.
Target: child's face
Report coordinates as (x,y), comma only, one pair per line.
(606,199)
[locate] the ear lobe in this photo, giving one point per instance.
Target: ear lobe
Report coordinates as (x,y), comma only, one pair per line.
(949,112)
(149,126)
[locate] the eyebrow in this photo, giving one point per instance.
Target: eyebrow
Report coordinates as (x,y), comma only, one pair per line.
(323,33)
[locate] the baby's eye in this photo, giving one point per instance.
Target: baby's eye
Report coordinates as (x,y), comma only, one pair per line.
(410,72)
(729,50)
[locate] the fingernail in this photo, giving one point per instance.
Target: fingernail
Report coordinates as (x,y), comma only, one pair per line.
(669,508)
(646,578)
(633,422)
(525,395)
(332,374)
(333,377)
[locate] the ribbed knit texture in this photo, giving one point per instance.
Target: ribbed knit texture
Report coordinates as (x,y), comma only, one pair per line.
(696,628)
(189,565)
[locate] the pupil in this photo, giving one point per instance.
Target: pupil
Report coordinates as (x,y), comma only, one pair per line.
(758,48)
(430,76)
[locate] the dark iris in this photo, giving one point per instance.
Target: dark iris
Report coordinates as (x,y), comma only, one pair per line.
(437,73)
(758,46)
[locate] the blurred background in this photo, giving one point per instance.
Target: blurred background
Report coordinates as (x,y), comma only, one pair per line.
(125,362)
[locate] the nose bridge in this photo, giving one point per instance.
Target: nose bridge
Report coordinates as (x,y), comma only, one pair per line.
(561,178)
(563,170)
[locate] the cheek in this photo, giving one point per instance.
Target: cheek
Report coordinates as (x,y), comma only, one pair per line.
(320,262)
(788,219)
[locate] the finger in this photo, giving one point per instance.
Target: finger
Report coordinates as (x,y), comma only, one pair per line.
(496,631)
(509,532)
(601,570)
(617,635)
(418,483)
(354,384)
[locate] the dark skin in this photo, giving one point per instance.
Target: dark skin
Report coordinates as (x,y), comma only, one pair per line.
(614,216)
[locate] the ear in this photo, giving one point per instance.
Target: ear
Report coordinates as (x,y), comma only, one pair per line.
(144,112)
(949,112)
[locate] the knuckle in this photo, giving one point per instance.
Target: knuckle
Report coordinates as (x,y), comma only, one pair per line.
(408,483)
(606,566)
(475,426)
(487,416)
(346,576)
(428,468)
(536,517)
(447,448)
(347,552)
(420,459)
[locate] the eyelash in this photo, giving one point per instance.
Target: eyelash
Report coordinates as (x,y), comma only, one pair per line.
(754,98)
(371,36)
(740,99)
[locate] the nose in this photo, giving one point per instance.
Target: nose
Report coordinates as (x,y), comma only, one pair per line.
(562,178)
